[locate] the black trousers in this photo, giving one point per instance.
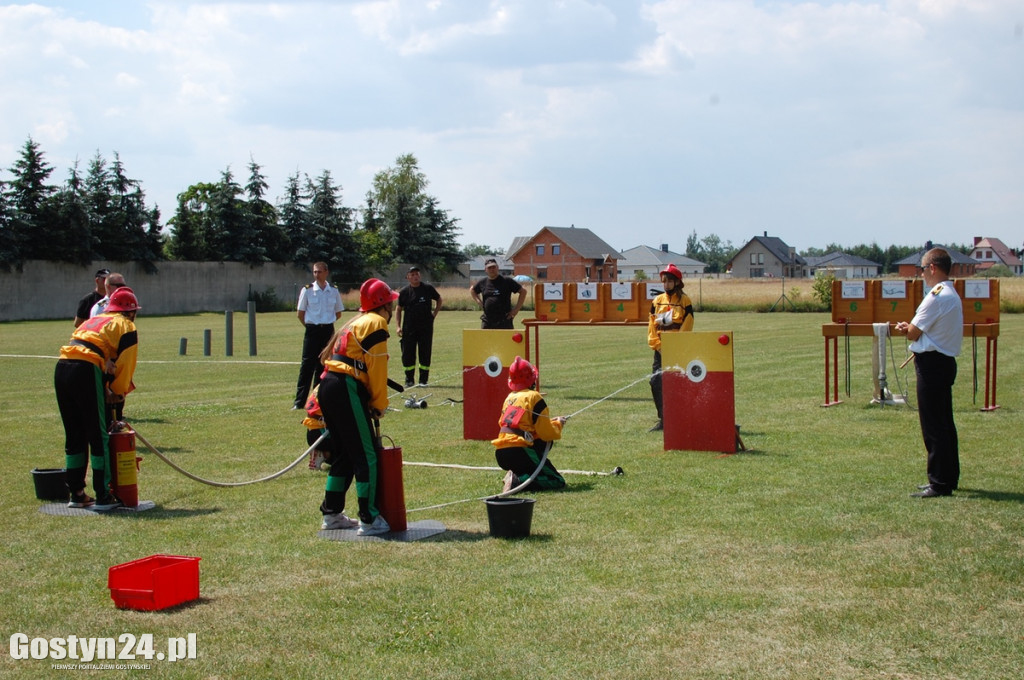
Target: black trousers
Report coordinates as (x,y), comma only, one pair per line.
(345,405)
(81,402)
(656,382)
(314,340)
(417,341)
(936,374)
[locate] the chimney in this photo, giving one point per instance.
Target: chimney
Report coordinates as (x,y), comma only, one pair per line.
(664,247)
(977,240)
(928,246)
(766,234)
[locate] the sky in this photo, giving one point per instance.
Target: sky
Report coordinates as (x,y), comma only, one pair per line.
(889,122)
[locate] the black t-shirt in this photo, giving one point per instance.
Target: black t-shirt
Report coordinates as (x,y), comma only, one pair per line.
(86,303)
(497,296)
(417,305)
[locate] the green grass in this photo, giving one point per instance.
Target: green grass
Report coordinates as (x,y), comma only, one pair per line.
(804,557)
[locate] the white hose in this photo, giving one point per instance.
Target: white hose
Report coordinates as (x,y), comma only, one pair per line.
(165,459)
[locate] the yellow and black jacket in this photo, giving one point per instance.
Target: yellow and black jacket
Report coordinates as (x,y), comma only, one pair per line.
(362,352)
(525,419)
(678,303)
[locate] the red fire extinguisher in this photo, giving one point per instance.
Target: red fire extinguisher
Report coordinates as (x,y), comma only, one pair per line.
(125,471)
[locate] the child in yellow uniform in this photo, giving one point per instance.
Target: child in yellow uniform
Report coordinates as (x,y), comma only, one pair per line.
(526,428)
(671,311)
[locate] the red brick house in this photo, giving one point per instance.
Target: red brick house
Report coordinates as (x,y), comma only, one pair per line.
(564,254)
(963,266)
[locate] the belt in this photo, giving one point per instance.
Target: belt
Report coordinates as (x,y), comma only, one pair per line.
(319,325)
(354,363)
(88,345)
(528,436)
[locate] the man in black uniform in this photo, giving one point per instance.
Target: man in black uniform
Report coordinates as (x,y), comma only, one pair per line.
(415,320)
(494,295)
(86,303)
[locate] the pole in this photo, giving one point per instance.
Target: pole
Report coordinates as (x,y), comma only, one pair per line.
(229,333)
(251,307)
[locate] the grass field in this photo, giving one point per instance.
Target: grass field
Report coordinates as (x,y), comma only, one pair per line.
(803,557)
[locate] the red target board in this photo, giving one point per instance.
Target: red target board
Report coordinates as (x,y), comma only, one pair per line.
(486,356)
(699,392)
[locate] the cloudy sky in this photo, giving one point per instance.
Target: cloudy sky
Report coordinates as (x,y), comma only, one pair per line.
(893,122)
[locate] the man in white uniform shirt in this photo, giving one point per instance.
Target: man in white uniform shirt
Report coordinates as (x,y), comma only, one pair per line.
(936,333)
(319,307)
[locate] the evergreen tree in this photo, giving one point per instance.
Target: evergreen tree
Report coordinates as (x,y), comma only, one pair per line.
(331,237)
(262,218)
(70,233)
(294,221)
(28,195)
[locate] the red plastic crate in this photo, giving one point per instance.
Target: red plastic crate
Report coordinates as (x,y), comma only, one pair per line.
(154,582)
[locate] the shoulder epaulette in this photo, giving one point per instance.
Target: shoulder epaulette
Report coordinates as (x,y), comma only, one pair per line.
(937,289)
(308,285)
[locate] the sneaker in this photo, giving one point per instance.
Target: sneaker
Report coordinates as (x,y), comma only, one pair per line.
(657,427)
(510,481)
(108,502)
(408,384)
(81,500)
(379,526)
(339,520)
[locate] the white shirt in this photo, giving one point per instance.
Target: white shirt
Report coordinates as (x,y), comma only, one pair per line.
(100,305)
(940,316)
(321,306)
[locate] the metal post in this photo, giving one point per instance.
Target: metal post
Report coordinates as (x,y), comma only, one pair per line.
(207,335)
(229,333)
(183,346)
(251,306)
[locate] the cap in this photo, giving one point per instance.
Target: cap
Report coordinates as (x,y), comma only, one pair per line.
(414,268)
(101,273)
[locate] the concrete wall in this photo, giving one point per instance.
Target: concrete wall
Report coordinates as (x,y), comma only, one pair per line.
(51,290)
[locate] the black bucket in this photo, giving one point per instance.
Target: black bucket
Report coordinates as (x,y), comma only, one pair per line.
(509,517)
(50,484)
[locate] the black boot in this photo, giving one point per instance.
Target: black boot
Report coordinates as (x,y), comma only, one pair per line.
(424,377)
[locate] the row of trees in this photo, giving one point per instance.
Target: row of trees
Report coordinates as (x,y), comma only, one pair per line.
(103,216)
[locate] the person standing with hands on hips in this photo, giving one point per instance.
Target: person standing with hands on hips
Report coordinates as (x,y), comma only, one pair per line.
(670,311)
(494,295)
(319,307)
(418,306)
(936,334)
(353,393)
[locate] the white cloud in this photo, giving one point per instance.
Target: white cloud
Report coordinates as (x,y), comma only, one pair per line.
(897,121)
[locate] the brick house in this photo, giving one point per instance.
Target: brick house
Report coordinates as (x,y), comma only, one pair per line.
(963,266)
(564,254)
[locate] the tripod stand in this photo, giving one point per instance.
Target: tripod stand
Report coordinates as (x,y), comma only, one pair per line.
(783,299)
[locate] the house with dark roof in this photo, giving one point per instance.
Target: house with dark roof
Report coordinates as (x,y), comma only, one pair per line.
(564,254)
(645,263)
(842,266)
(963,266)
(767,256)
(990,251)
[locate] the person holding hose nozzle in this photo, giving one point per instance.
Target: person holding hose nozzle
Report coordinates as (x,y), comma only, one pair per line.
(526,428)
(93,374)
(353,393)
(670,311)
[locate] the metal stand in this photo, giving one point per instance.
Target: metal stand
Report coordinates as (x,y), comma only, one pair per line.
(783,299)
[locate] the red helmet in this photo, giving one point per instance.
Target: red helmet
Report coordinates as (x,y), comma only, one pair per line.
(375,293)
(672,270)
(123,300)
(521,375)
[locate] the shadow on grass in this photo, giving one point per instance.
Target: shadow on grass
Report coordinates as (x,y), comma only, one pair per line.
(985,494)
(456,536)
(160,513)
